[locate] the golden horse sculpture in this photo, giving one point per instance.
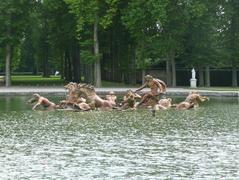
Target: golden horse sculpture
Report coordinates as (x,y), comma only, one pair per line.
(72,96)
(73,100)
(92,99)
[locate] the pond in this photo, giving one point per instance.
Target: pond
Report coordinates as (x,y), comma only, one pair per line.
(192,144)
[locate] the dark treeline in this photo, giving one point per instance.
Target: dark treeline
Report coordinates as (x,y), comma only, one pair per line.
(114,40)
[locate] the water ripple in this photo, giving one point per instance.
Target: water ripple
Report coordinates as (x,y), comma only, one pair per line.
(194,144)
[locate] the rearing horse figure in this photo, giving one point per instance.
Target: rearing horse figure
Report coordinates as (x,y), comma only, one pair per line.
(72,98)
(88,92)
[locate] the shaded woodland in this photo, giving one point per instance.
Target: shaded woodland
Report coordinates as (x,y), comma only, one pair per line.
(118,41)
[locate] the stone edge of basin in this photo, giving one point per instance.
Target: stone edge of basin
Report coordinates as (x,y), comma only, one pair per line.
(118,91)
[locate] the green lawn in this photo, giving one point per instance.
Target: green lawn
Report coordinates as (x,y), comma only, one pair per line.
(31,80)
(36,80)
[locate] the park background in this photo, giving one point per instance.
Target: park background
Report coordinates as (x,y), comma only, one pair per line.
(113,41)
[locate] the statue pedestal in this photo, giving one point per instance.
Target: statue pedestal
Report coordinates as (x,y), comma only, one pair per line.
(193,83)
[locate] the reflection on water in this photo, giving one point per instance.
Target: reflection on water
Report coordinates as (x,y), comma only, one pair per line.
(193,144)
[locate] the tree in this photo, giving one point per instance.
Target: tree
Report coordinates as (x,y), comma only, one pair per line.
(173,35)
(230,34)
(13,19)
(93,13)
(145,20)
(201,39)
(62,39)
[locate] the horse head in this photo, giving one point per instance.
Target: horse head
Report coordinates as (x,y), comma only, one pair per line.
(71,86)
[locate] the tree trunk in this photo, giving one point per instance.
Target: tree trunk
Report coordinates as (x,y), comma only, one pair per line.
(208,82)
(46,72)
(97,70)
(143,75)
(88,72)
(113,61)
(233,42)
(65,66)
(168,72)
(76,62)
(9,50)
(201,77)
(133,66)
(35,68)
(68,66)
(234,76)
(173,70)
(69,63)
(62,72)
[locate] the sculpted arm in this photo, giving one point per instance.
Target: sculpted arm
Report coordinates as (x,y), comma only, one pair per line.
(142,87)
(162,86)
(39,102)
(36,105)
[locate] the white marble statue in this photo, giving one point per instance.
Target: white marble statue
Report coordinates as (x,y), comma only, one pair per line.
(193,74)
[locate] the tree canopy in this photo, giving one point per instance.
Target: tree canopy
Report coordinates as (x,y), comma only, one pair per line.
(90,41)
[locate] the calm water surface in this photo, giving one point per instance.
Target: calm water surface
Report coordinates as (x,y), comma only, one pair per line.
(193,144)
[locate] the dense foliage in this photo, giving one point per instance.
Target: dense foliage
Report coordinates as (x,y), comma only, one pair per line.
(115,40)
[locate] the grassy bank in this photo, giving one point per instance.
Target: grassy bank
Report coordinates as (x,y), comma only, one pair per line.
(36,81)
(30,80)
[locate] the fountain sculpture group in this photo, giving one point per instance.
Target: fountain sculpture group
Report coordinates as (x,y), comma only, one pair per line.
(83,97)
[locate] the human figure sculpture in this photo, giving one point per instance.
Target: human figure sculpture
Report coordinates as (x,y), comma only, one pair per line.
(82,105)
(193,73)
(129,100)
(163,104)
(41,101)
(184,105)
(193,80)
(111,97)
(192,101)
(195,98)
(156,86)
